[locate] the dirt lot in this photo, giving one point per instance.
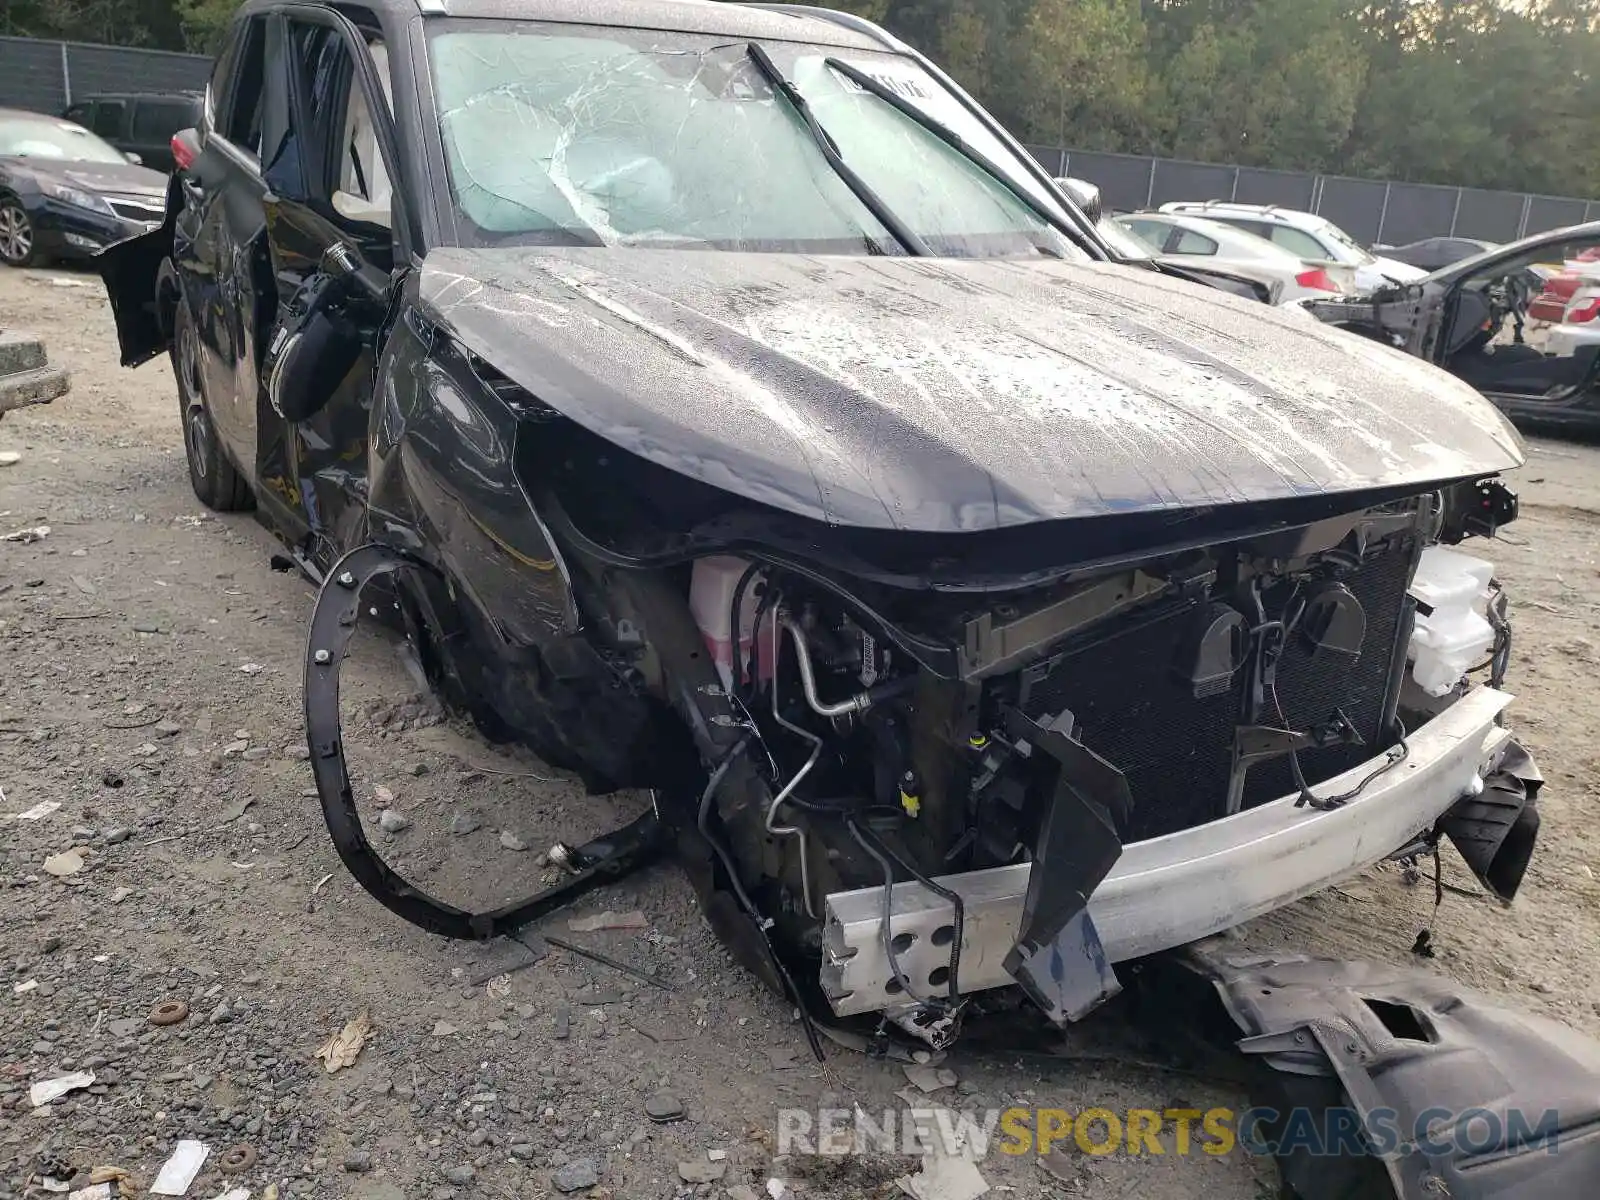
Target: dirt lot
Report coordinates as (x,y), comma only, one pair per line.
(149,683)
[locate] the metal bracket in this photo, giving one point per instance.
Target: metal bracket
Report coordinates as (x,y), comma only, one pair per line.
(333,624)
(1257,743)
(989,648)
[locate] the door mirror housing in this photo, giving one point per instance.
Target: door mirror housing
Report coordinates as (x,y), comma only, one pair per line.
(1085,195)
(135,159)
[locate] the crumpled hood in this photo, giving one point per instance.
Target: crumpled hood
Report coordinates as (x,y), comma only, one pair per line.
(943,395)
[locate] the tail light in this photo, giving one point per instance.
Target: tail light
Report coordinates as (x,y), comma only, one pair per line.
(1588,310)
(184,149)
(1317,280)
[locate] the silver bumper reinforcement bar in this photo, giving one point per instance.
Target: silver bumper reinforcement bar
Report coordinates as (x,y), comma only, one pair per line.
(1175,889)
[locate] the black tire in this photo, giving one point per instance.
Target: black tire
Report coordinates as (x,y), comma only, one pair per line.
(19,246)
(215,481)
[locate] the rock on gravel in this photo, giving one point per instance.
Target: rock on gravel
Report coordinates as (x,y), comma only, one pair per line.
(391,821)
(510,841)
(701,1172)
(578,1175)
(460,1176)
(663,1107)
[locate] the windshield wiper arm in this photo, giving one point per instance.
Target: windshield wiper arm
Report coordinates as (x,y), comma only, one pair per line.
(897,228)
(957,143)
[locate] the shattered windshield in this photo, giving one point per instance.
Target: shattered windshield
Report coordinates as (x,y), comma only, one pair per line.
(578,135)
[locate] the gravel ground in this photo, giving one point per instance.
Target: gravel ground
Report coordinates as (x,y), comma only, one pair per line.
(149,685)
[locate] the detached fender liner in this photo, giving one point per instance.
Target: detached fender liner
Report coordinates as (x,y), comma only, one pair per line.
(333,623)
(1377,1080)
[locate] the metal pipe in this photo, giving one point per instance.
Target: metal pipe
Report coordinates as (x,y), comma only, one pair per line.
(789,789)
(808,678)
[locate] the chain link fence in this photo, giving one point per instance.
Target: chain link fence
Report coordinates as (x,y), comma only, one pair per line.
(47,76)
(1372,211)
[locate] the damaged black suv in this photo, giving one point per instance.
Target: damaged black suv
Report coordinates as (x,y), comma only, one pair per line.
(731,409)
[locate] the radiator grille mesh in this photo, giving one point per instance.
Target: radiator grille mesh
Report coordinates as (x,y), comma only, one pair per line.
(1133,710)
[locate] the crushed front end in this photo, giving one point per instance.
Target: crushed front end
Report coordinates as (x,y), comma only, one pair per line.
(939,781)
(955,686)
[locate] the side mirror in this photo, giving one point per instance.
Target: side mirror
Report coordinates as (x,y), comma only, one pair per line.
(134,158)
(1085,195)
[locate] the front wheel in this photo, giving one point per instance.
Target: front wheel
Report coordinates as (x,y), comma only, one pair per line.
(215,481)
(19,247)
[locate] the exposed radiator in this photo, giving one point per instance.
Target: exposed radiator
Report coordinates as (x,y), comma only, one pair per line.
(1133,709)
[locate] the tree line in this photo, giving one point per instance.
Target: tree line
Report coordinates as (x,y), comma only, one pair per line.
(1485,93)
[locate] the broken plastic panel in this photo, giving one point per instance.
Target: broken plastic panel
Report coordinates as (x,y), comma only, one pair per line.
(1058,959)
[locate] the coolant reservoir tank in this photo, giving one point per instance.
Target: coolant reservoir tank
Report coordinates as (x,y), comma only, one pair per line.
(711,590)
(1452,633)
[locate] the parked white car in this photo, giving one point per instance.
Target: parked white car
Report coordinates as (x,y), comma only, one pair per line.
(1580,325)
(1305,234)
(1181,236)
(1240,278)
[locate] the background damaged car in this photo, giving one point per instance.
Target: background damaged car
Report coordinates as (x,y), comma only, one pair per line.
(1489,320)
(731,409)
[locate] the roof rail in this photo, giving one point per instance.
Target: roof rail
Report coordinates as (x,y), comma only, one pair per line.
(848,20)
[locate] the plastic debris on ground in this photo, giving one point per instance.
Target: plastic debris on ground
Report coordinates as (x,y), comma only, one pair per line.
(929,1079)
(608,920)
(944,1178)
(342,1049)
(47,1090)
(37,813)
(68,862)
(178,1172)
(32,534)
(948,1171)
(19,989)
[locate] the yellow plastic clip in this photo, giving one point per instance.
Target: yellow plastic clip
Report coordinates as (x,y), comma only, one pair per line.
(912,804)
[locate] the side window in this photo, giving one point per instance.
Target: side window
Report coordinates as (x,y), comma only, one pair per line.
(239,111)
(1299,243)
(157,120)
(1190,242)
(1152,233)
(220,84)
(343,155)
(110,119)
(1259,228)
